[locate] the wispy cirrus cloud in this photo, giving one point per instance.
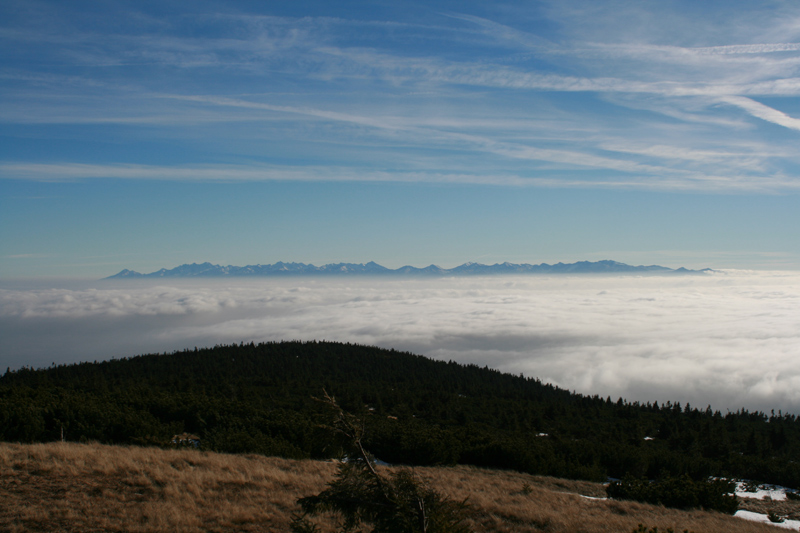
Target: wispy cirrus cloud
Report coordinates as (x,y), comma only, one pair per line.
(664,83)
(736,49)
(233,173)
(626,106)
(507,149)
(763,112)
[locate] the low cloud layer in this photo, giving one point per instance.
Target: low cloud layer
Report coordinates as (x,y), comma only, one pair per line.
(730,340)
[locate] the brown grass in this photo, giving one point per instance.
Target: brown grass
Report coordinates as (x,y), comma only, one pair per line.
(74,487)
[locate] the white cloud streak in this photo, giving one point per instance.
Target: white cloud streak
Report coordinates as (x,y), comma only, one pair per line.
(766,48)
(224,173)
(729,340)
(512,150)
(764,112)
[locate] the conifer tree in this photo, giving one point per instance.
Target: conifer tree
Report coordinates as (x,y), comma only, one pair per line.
(398,503)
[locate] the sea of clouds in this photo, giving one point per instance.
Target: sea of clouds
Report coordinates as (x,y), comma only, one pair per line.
(729,339)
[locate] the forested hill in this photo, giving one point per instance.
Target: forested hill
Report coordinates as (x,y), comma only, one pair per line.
(259,398)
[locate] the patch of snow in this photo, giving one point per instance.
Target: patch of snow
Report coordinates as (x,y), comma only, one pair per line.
(794,525)
(775,492)
(591,497)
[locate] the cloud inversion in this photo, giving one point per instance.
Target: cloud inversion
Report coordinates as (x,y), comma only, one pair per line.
(730,340)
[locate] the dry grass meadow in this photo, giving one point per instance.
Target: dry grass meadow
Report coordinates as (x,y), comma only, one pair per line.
(73,487)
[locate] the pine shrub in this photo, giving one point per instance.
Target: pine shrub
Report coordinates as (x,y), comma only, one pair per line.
(643,529)
(678,492)
(398,503)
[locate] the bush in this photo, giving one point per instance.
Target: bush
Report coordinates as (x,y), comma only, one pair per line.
(643,529)
(679,492)
(399,503)
(750,486)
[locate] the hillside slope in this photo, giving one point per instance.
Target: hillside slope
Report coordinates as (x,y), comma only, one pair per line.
(259,399)
(66,487)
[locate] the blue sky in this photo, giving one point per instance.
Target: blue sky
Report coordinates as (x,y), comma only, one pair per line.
(145,135)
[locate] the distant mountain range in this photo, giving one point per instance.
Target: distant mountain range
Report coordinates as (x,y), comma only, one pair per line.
(207,270)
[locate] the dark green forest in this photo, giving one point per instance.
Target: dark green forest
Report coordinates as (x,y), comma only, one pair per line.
(260,398)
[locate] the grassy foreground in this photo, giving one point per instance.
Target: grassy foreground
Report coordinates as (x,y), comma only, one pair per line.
(76,487)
